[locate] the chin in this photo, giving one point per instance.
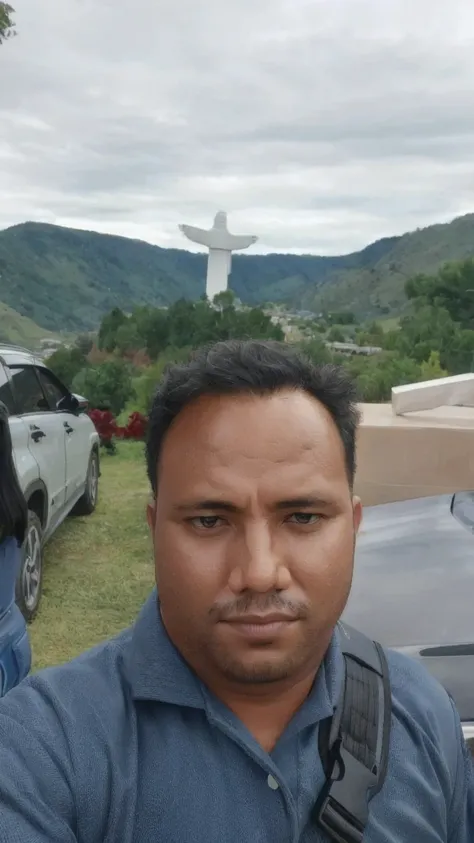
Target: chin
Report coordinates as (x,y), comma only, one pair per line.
(258,671)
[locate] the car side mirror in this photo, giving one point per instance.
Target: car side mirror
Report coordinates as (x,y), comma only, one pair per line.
(68,404)
(83,403)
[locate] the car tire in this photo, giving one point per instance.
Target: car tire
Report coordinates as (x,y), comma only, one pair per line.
(30,576)
(88,501)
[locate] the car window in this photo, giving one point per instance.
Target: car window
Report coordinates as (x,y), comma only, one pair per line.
(52,388)
(6,394)
(28,391)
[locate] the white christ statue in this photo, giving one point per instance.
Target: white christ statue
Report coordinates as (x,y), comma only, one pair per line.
(221,244)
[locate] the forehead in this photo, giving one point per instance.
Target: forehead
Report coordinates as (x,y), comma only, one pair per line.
(252,435)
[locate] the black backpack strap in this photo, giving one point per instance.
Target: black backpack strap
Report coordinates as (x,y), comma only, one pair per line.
(354,743)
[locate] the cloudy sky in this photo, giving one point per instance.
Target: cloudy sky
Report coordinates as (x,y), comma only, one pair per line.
(319,125)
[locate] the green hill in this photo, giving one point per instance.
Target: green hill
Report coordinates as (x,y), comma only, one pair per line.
(380,288)
(66,280)
(20,330)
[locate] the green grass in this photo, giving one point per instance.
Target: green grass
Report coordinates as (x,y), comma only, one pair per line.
(99,569)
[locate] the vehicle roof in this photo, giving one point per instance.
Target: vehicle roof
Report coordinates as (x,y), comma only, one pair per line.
(414,574)
(17,355)
(413,588)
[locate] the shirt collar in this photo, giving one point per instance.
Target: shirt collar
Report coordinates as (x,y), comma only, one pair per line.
(154,667)
(156,670)
(322,700)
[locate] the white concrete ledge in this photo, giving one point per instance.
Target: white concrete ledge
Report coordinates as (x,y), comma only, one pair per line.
(454,391)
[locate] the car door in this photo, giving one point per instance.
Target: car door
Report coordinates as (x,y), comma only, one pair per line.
(25,463)
(46,436)
(77,430)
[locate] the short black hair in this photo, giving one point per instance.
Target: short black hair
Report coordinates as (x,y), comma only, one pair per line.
(255,367)
(13,506)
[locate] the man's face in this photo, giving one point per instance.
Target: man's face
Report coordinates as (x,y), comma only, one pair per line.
(254,528)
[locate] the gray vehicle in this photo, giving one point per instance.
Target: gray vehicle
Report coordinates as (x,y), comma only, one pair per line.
(413,588)
(56,453)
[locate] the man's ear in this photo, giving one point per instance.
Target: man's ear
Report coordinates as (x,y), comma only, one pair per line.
(356,513)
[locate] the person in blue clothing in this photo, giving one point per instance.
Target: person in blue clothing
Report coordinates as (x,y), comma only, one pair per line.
(201,722)
(15,655)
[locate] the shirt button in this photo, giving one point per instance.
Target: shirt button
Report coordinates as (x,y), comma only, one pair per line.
(272,782)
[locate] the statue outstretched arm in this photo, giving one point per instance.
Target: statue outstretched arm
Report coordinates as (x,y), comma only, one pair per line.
(242,241)
(198,235)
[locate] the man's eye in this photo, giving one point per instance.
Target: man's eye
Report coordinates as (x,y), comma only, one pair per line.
(304,518)
(206,522)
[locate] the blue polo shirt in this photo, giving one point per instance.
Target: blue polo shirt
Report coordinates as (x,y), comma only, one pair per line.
(126,745)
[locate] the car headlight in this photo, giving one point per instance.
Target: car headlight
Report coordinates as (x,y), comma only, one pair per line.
(468,731)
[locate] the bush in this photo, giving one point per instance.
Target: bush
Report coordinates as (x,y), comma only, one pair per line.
(108,428)
(316,349)
(107,385)
(66,363)
(335,334)
(146,383)
(376,376)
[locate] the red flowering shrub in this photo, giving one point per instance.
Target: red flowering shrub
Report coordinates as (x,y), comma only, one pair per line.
(108,429)
(136,426)
(104,423)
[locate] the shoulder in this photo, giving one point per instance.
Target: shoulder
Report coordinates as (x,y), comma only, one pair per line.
(420,702)
(425,796)
(67,733)
(77,721)
(427,746)
(76,693)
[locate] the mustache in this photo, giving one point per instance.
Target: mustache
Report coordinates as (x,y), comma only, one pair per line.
(258,604)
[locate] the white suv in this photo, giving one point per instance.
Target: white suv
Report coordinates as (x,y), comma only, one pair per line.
(56,452)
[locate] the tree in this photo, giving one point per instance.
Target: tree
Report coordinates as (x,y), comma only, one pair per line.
(458,355)
(254,324)
(66,363)
(224,300)
(344,317)
(109,327)
(6,22)
(376,375)
(451,289)
(146,384)
(431,368)
(335,334)
(109,384)
(85,343)
(152,328)
(181,317)
(316,349)
(429,328)
(127,338)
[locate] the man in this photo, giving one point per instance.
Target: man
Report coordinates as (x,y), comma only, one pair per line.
(201,722)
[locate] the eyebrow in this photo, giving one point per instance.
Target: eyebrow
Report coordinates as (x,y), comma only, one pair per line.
(303,502)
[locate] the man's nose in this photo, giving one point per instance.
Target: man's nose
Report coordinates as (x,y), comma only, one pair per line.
(258,564)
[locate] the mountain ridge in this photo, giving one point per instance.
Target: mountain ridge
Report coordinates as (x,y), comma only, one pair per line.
(67,279)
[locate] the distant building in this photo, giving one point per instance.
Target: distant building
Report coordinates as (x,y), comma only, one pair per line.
(351,348)
(48,343)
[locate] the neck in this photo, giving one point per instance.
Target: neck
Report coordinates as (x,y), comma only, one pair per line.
(266,710)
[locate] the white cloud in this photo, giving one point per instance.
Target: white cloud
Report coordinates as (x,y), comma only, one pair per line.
(320,125)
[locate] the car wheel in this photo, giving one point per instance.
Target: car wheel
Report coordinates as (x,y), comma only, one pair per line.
(88,502)
(30,576)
